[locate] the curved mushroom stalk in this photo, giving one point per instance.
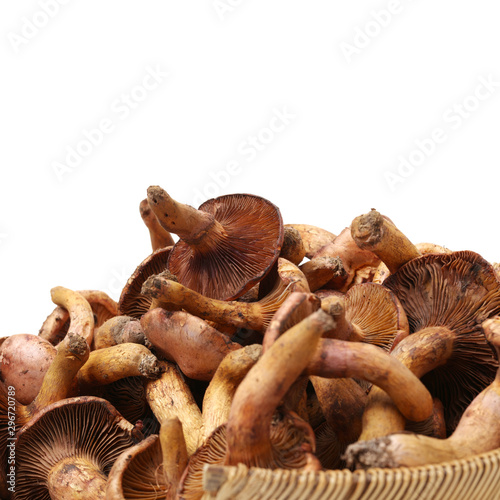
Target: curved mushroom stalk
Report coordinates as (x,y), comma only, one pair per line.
(24,360)
(69,447)
(187,340)
(119,330)
(421,353)
(56,325)
(478,430)
(152,468)
(313,238)
(80,313)
(226,246)
(260,392)
(454,292)
(340,359)
(160,238)
(110,364)
(220,391)
(368,313)
(353,259)
(170,397)
(252,315)
(132,302)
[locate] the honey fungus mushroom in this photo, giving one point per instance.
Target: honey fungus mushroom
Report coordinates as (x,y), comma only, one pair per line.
(226,246)
(68,448)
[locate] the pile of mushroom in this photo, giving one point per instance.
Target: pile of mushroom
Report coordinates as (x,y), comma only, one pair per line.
(241,339)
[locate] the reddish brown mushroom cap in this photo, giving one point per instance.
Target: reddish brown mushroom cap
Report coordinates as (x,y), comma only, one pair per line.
(240,257)
(132,302)
(458,291)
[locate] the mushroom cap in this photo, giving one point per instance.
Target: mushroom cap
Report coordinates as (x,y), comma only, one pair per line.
(241,258)
(457,290)
(377,313)
(132,302)
(86,427)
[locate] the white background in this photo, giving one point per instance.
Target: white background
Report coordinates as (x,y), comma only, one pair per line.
(360,82)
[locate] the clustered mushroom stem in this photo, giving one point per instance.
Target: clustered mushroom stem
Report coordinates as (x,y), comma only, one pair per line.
(264,386)
(80,313)
(377,234)
(478,430)
(420,353)
(334,305)
(190,224)
(338,358)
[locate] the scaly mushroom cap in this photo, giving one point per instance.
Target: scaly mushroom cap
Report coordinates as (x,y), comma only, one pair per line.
(237,259)
(132,302)
(74,441)
(458,291)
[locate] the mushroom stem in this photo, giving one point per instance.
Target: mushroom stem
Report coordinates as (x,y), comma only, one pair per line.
(334,305)
(174,453)
(375,233)
(264,386)
(478,430)
(71,356)
(252,315)
(220,392)
(169,396)
(119,330)
(80,313)
(338,358)
(420,353)
(191,225)
(113,363)
(76,478)
(320,270)
(159,237)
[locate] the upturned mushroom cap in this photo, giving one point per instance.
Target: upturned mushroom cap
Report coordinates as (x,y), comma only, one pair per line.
(457,291)
(70,446)
(226,246)
(132,302)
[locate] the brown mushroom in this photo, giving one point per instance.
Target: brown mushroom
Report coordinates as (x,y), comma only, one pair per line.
(68,448)
(152,468)
(313,238)
(57,323)
(196,347)
(478,430)
(24,360)
(292,248)
(452,293)
(226,246)
(119,330)
(160,238)
(169,396)
(132,302)
(252,315)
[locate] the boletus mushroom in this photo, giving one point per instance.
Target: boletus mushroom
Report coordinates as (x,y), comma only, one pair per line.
(226,246)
